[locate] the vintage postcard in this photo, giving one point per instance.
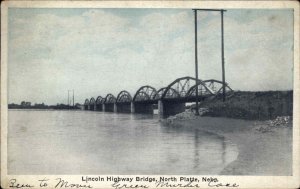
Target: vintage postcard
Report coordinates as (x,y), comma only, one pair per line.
(149,94)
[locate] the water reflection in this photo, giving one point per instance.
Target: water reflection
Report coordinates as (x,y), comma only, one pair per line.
(211,152)
(196,151)
(107,143)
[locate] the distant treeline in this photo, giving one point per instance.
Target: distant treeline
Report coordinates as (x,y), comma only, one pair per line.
(27,105)
(252,105)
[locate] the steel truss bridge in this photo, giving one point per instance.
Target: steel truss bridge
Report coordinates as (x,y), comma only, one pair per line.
(170,99)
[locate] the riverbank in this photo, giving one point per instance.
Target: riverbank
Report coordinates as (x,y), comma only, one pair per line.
(265,147)
(262,105)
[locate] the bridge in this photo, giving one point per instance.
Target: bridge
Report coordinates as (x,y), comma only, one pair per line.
(169,100)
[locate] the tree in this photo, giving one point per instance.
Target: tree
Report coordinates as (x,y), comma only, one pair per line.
(23,103)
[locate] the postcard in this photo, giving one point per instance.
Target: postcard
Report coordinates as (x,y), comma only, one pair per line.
(149,94)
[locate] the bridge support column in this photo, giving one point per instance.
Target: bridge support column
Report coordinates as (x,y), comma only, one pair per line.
(103,107)
(95,107)
(160,108)
(132,107)
(115,108)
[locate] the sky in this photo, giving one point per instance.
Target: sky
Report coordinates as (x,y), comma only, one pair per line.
(101,51)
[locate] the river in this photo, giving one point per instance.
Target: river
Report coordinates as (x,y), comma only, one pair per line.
(87,142)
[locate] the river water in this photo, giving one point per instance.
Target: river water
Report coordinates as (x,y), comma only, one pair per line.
(86,142)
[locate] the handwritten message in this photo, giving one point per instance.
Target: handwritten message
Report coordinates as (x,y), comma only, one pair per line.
(119,182)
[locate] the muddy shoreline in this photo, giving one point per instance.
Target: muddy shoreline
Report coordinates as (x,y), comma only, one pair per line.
(260,153)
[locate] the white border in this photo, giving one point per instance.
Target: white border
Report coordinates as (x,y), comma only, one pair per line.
(243,181)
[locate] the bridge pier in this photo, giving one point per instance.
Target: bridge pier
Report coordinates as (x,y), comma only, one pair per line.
(166,108)
(132,107)
(103,107)
(143,108)
(115,108)
(160,108)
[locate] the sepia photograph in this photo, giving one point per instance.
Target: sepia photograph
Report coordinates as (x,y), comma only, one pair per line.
(183,96)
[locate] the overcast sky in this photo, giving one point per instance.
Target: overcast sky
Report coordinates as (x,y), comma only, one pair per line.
(100,51)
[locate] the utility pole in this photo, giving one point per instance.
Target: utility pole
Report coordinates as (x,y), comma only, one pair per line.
(69,100)
(223,59)
(196,64)
(222,52)
(73,97)
(68,97)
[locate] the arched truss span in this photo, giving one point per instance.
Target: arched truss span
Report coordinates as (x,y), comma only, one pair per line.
(124,96)
(214,85)
(171,93)
(110,99)
(182,86)
(217,86)
(86,102)
(144,93)
(92,101)
(100,100)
